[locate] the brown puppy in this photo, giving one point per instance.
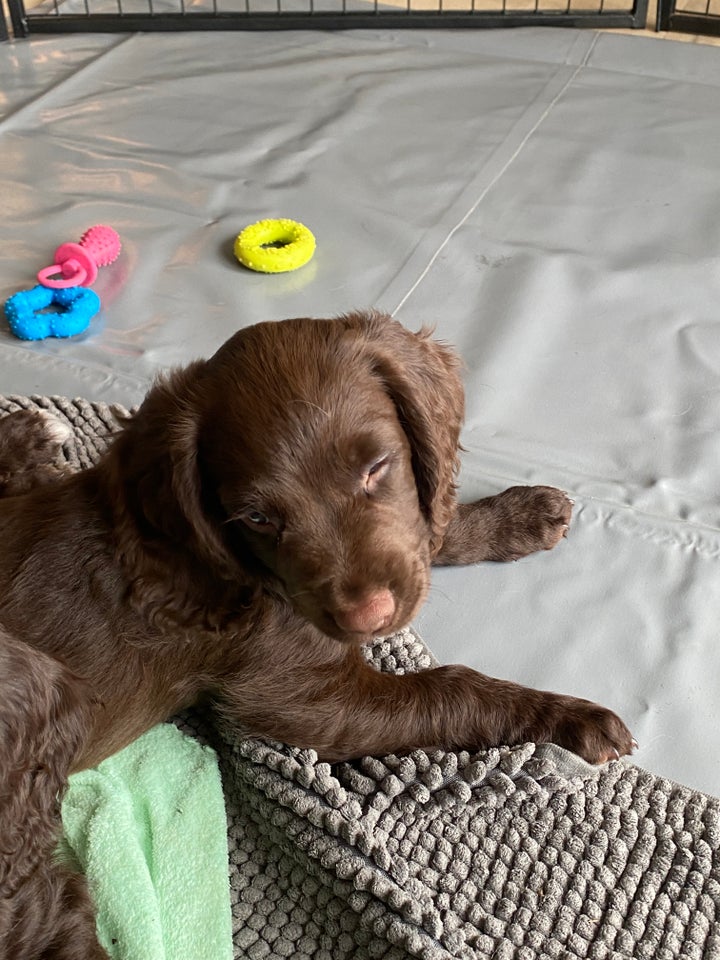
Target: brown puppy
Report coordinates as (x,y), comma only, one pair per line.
(262,515)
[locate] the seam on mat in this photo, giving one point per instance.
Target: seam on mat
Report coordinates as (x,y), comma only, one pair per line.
(521,146)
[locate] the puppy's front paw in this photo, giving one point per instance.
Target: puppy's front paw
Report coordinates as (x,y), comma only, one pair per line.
(30,445)
(510,525)
(529,519)
(592,732)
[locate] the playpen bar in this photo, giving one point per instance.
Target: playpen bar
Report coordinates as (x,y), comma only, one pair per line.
(56,21)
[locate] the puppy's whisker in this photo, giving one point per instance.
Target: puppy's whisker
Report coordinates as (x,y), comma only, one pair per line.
(435,591)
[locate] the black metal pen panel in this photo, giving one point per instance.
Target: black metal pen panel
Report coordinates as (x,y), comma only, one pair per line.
(71,16)
(690,16)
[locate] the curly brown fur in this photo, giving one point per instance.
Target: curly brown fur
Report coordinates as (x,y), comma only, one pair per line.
(45,910)
(30,447)
(265,513)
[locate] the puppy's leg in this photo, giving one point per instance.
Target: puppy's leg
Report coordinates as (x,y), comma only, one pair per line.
(50,917)
(45,909)
(30,445)
(507,526)
(348,709)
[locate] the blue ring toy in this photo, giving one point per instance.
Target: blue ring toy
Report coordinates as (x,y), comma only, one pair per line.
(75,308)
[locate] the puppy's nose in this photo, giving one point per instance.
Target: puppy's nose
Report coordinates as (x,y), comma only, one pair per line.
(368,615)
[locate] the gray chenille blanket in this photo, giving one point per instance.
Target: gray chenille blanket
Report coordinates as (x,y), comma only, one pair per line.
(522,852)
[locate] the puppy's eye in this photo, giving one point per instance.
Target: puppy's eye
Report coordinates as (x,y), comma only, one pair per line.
(375,472)
(257,521)
(379,467)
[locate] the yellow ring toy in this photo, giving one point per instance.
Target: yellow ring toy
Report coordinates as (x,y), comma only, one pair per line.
(274,246)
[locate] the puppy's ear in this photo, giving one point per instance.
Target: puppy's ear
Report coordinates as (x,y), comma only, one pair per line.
(156,461)
(421,375)
(186,483)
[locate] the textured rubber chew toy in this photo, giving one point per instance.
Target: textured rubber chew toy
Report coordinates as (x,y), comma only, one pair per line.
(44,312)
(77,263)
(274,246)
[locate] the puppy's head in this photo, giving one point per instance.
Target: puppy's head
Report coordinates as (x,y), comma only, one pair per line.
(320,455)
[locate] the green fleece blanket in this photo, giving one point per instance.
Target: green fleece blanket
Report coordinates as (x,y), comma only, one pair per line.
(148,828)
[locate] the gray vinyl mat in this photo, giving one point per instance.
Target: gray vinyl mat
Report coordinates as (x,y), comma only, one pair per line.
(548,199)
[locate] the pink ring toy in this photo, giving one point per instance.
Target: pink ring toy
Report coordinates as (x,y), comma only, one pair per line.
(77,263)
